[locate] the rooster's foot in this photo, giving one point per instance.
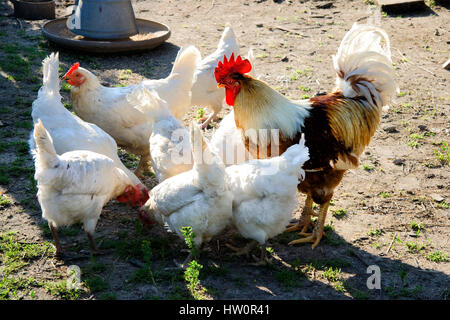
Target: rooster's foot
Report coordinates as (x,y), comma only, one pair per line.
(313,238)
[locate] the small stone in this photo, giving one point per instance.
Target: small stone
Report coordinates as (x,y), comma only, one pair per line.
(436,197)
(285,59)
(422,127)
(327,5)
(390,129)
(431,176)
(399,162)
(259,25)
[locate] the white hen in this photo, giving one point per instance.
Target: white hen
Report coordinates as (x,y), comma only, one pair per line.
(75,186)
(204,89)
(265,193)
(111,109)
(198,198)
(169,141)
(68,131)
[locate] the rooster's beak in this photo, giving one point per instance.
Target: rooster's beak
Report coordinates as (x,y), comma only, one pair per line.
(221,85)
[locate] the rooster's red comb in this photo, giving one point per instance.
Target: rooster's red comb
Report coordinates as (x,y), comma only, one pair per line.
(72,69)
(230,66)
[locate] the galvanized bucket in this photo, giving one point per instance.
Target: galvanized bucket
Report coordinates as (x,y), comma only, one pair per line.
(103,19)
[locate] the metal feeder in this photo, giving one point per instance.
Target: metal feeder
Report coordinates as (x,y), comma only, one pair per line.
(105,26)
(103,19)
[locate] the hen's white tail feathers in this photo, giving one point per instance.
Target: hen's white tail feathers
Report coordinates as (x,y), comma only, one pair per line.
(228,37)
(297,155)
(51,82)
(186,61)
(364,67)
(45,151)
(251,58)
(181,79)
(149,103)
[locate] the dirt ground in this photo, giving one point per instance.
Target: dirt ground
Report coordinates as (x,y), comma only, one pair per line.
(392,212)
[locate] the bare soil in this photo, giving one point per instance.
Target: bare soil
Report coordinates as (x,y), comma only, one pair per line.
(392,212)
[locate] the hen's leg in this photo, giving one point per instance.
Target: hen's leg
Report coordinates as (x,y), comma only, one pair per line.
(54,231)
(92,243)
(305,219)
(318,228)
(243,251)
(263,260)
(143,163)
(212,116)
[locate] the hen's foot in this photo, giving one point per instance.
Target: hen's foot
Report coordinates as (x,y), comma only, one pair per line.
(263,260)
(242,251)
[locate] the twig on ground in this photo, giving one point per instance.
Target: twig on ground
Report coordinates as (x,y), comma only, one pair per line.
(392,242)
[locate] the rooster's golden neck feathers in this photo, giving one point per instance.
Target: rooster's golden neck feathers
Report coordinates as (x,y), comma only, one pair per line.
(258,106)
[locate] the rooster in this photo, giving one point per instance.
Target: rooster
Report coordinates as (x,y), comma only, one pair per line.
(111,109)
(75,186)
(337,126)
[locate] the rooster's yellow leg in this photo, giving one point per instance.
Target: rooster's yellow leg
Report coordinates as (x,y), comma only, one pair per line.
(305,219)
(318,228)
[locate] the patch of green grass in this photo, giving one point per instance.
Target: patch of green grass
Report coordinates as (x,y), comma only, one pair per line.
(10,286)
(416,226)
(414,247)
(443,154)
(403,292)
(16,255)
(59,289)
(17,64)
(385,195)
(443,205)
(374,232)
(96,284)
(358,294)
(414,139)
(333,240)
(305,89)
(334,276)
(367,167)
(289,278)
(340,213)
(5,201)
(437,256)
(25,124)
(200,113)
